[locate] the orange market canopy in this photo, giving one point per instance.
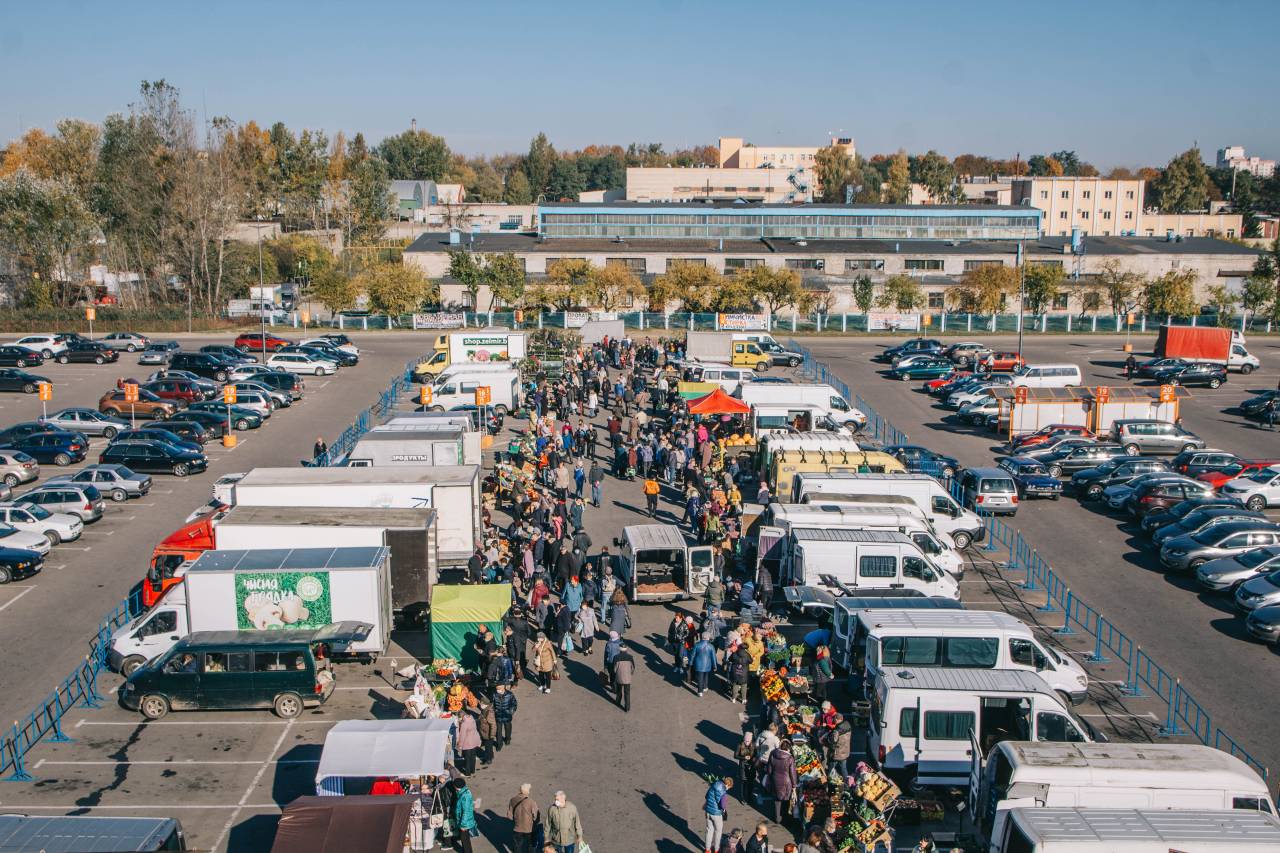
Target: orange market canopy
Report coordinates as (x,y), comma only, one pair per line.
(718,403)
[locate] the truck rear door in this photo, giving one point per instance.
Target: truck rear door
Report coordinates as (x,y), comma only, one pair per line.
(770,544)
(700,567)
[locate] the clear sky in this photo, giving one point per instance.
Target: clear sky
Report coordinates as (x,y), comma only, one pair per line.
(1121,82)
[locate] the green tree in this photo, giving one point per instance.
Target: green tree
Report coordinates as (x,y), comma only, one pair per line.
(467,269)
(538,164)
(1261,291)
(1092,298)
(504,273)
(46,231)
(615,286)
(902,293)
(864,293)
(1222,301)
(415,155)
(936,173)
(300,257)
(835,170)
(984,290)
(694,286)
(372,203)
(1123,288)
(898,186)
(1172,294)
(396,288)
(1184,184)
(1041,285)
(335,290)
(517,189)
(566,181)
(568,284)
(240,269)
(772,287)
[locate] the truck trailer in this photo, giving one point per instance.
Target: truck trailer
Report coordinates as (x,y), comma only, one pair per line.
(422,443)
(1206,344)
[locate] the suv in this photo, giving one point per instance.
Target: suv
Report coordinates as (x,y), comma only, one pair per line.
(208,365)
(989,490)
(47,345)
(1077,455)
(257,342)
(1257,490)
(1089,484)
(1157,497)
(966,353)
(148,405)
(154,456)
(1148,436)
(1205,375)
(182,392)
(82,500)
(1193,463)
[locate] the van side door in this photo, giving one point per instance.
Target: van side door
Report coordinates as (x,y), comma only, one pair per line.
(274,672)
(227,680)
(878,568)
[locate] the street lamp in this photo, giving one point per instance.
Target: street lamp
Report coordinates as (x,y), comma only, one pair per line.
(262,311)
(1022,293)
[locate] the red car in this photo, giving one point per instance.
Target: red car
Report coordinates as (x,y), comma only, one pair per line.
(1242,468)
(255,341)
(1003,362)
(934,384)
(1046,434)
(181,391)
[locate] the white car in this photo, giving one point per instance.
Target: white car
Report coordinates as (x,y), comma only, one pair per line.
(965,398)
(12,537)
(325,342)
(255,401)
(278,399)
(56,527)
(47,345)
(297,362)
(1257,490)
(246,372)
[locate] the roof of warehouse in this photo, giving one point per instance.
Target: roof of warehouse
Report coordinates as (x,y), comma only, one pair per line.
(798,208)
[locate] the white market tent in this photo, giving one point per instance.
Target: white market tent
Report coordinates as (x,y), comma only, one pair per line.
(362,749)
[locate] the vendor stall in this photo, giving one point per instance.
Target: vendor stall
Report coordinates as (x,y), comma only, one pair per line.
(357,752)
(340,824)
(456,614)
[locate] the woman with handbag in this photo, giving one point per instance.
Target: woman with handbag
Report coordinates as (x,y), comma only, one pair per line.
(544,661)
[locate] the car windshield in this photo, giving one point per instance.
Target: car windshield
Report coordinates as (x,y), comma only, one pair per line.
(1208,536)
(1263,476)
(38,511)
(7,530)
(1032,468)
(1233,469)
(1274,579)
(1254,559)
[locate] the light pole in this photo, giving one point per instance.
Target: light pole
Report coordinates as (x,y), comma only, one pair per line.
(262,311)
(1022,287)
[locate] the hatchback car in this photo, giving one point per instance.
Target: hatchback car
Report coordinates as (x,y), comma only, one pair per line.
(59,447)
(57,527)
(1069,455)
(240,417)
(47,345)
(79,499)
(180,392)
(255,401)
(88,352)
(780,356)
(1227,573)
(250,371)
(1031,477)
(1257,489)
(127,341)
(15,356)
(1187,553)
(1263,624)
(158,352)
(978,411)
(297,362)
(17,468)
(277,380)
(156,457)
(1149,436)
(1158,496)
(1193,375)
(160,433)
(1257,593)
(989,490)
(87,421)
(279,399)
(975,391)
(966,353)
(1199,519)
(1003,362)
(1193,463)
(148,405)
(917,458)
(258,342)
(1155,520)
(115,481)
(1089,484)
(12,379)
(189,431)
(1047,434)
(18,563)
(1115,495)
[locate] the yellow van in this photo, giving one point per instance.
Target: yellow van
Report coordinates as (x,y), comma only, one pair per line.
(785,464)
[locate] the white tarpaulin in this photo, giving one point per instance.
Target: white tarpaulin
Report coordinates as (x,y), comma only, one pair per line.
(362,749)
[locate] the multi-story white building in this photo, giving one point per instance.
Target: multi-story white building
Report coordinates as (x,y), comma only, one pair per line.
(1233,157)
(1104,207)
(770,186)
(735,153)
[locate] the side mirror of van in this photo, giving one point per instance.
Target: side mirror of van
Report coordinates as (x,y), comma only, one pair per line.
(617,542)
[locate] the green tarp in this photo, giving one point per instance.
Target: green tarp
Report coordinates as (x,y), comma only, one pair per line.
(456,614)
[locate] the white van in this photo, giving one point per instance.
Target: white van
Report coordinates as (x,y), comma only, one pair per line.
(460,389)
(655,563)
(1137,831)
(782,518)
(949,518)
(470,367)
(767,420)
(851,560)
(930,721)
(724,375)
(1181,776)
(969,639)
(826,398)
(846,609)
(1047,376)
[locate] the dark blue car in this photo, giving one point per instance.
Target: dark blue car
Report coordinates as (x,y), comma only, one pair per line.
(911,347)
(18,563)
(919,459)
(1031,476)
(161,435)
(57,447)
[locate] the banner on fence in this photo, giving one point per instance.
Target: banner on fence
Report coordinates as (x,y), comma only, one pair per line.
(879,321)
(439,320)
(743,322)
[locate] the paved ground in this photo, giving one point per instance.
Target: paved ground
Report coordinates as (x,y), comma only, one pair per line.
(1193,635)
(636,778)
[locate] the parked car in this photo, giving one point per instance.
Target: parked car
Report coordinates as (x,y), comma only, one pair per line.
(79,499)
(127,341)
(1148,369)
(335,357)
(16,356)
(966,353)
(296,362)
(279,399)
(1153,521)
(960,397)
(148,405)
(781,357)
(207,387)
(1088,484)
(1257,489)
(977,411)
(56,527)
(1264,623)
(991,491)
(1187,553)
(18,563)
(1258,593)
(21,430)
(250,371)
(1155,497)
(1241,468)
(347,358)
(87,352)
(915,358)
(1193,375)
(115,481)
(189,431)
(1199,519)
(180,392)
(1193,463)
(12,537)
(1069,455)
(17,468)
(1031,476)
(1227,573)
(158,352)
(156,457)
(917,458)
(277,380)
(944,384)
(208,365)
(12,379)
(161,433)
(1003,362)
(339,339)
(1151,436)
(1047,434)
(1254,406)
(908,347)
(87,421)
(256,401)
(214,422)
(1117,494)
(227,353)
(59,447)
(258,342)
(240,417)
(46,345)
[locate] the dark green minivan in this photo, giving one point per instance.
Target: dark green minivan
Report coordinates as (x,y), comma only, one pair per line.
(285,670)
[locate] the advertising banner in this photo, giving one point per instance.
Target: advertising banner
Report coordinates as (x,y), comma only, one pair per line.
(267,600)
(481,347)
(439,320)
(576,319)
(892,322)
(743,322)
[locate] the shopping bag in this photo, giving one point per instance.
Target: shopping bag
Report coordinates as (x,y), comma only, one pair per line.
(584,847)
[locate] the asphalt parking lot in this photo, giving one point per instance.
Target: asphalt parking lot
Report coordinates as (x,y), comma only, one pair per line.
(1195,636)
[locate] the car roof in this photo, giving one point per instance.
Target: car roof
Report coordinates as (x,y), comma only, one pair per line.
(1246,526)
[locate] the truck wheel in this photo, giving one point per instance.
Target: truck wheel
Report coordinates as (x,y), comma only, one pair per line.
(962,539)
(131,664)
(287,706)
(153,707)
(1246,369)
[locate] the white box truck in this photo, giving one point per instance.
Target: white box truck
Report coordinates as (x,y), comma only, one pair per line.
(264,589)
(409,533)
(459,389)
(453,491)
(824,398)
(415,444)
(481,346)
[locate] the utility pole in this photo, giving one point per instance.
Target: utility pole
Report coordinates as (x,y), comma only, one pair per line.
(1022,293)
(262,313)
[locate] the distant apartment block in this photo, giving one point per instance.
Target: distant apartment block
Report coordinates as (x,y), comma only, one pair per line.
(1233,157)
(771,186)
(735,153)
(1103,207)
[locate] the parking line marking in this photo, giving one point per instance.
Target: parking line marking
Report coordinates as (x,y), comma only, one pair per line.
(16,597)
(46,762)
(257,777)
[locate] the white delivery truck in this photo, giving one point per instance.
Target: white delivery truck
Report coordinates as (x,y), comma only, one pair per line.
(948,517)
(409,533)
(1137,831)
(264,589)
(926,723)
(853,560)
(413,444)
(459,389)
(471,450)
(1174,776)
(481,346)
(655,564)
(453,491)
(780,519)
(972,639)
(824,398)
(766,420)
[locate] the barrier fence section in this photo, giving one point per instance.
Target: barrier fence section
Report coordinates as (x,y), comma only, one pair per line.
(367,419)
(1184,715)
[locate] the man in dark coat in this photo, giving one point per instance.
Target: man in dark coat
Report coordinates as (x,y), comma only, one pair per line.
(624,668)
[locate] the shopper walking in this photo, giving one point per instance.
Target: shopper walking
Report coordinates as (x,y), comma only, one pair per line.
(505,706)
(782,779)
(596,478)
(746,756)
(651,491)
(624,668)
(703,662)
(716,809)
(464,814)
(564,827)
(524,815)
(544,661)
(468,741)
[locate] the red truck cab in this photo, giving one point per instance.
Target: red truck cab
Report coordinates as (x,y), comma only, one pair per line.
(186,543)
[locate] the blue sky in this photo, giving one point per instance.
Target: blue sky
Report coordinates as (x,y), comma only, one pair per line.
(1122,83)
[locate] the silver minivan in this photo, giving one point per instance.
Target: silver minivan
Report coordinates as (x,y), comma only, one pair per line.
(990,490)
(1149,436)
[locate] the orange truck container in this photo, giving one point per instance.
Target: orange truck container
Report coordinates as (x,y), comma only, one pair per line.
(1194,343)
